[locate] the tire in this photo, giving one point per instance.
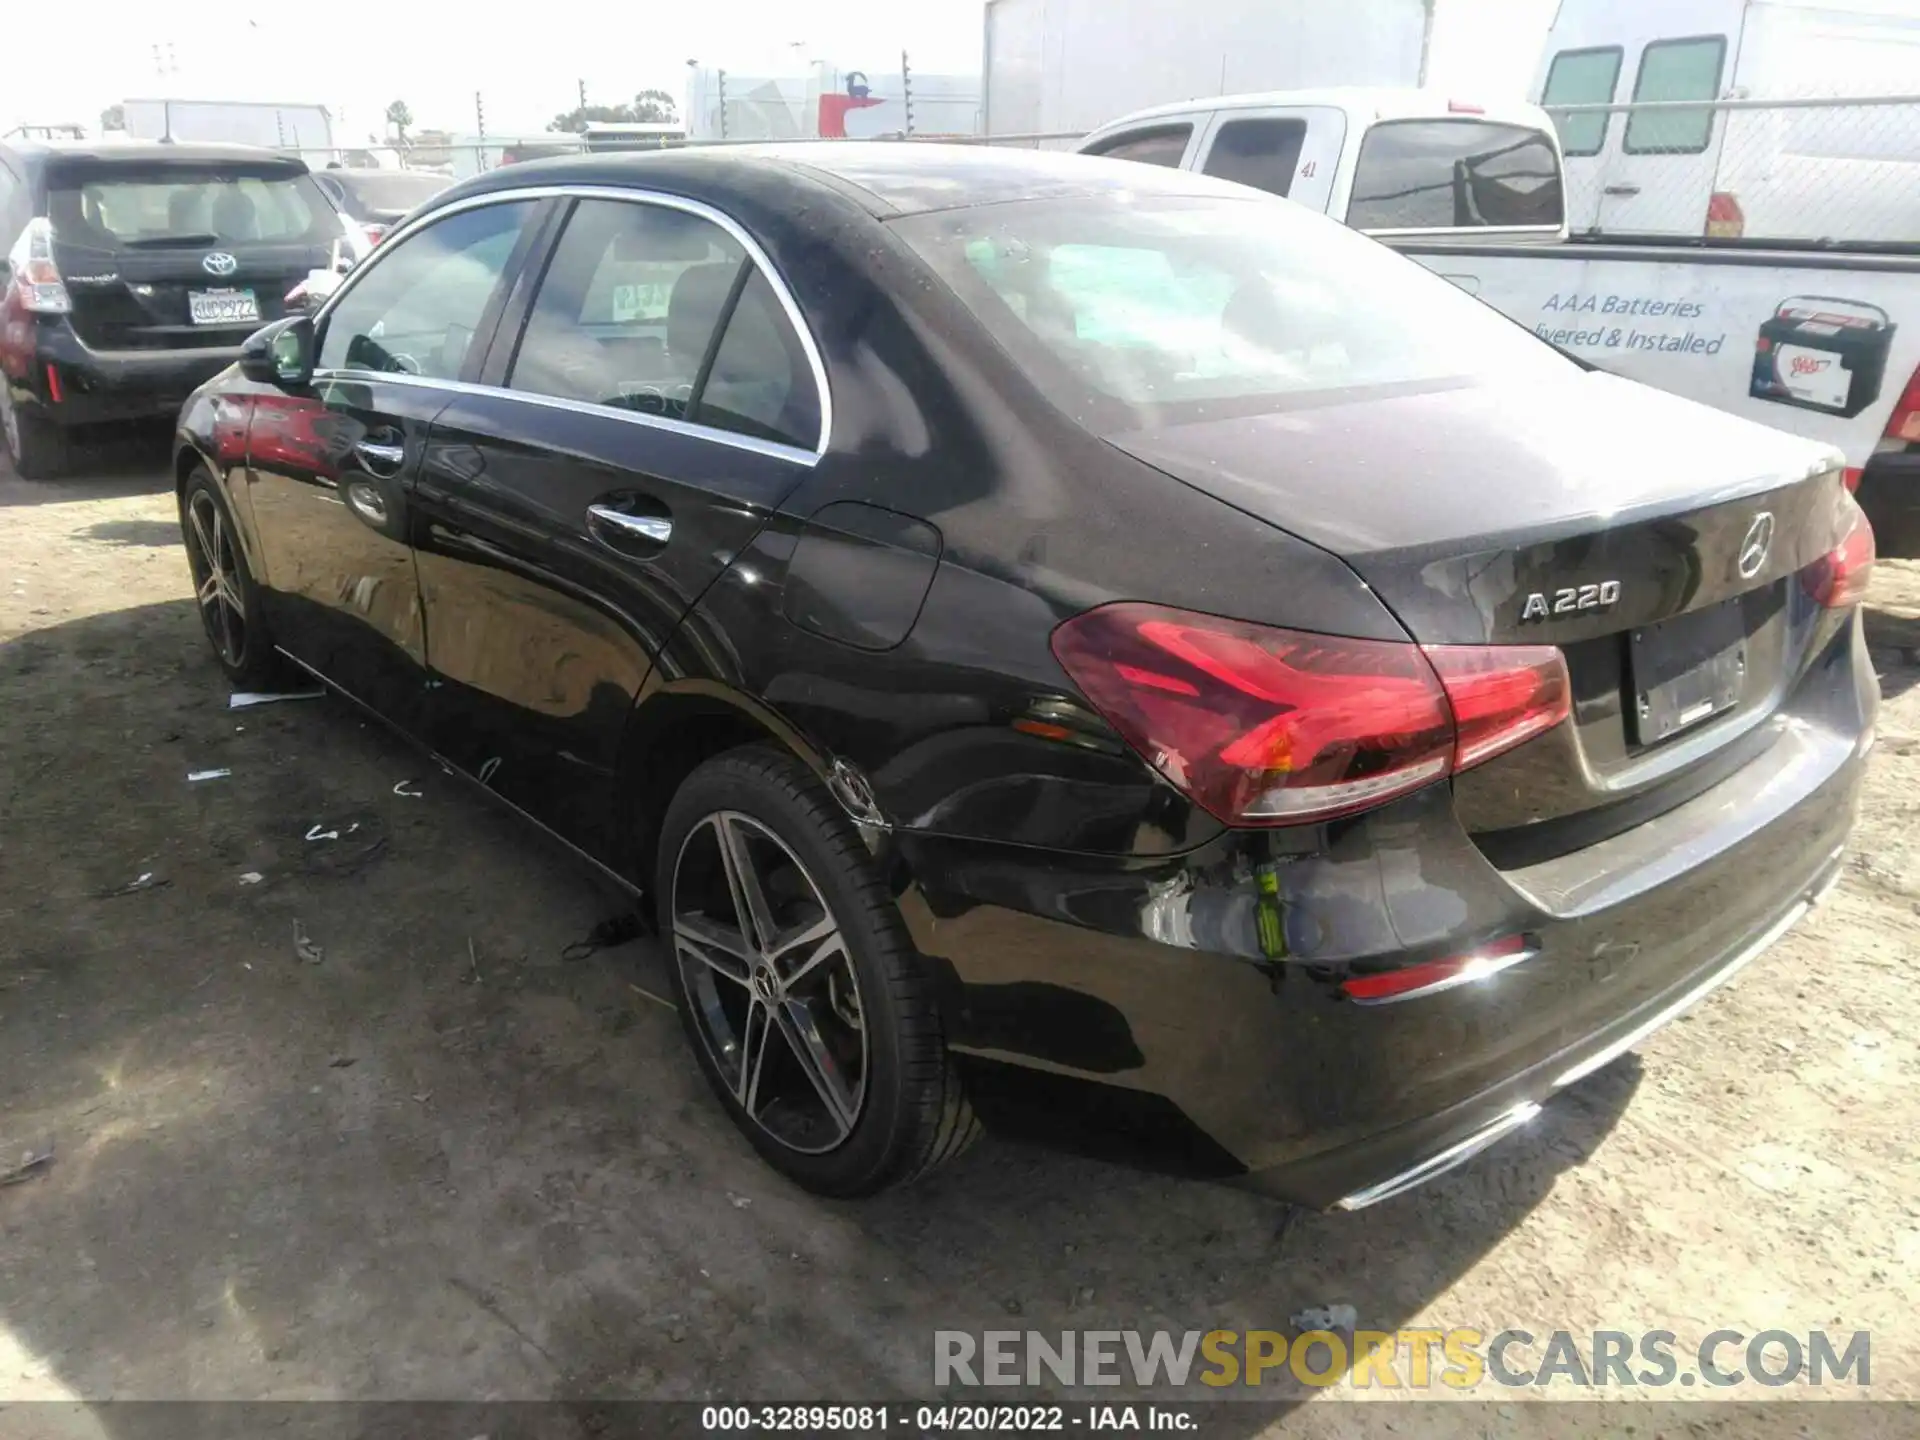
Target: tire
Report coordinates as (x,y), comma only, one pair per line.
(231,613)
(861,985)
(36,447)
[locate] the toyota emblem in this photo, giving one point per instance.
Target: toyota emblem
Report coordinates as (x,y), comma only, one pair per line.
(1753,549)
(219,263)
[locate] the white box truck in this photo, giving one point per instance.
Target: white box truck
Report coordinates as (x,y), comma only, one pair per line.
(1059,66)
(270,125)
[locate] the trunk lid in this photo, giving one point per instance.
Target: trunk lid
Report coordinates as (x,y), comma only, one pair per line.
(1459,503)
(1655,541)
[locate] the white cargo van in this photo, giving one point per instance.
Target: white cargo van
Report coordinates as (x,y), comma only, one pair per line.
(1749,169)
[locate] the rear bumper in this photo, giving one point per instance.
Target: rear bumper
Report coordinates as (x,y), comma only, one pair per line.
(1448,1141)
(1135,1009)
(97,386)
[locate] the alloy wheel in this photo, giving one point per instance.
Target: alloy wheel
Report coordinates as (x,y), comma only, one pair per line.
(775,995)
(216,577)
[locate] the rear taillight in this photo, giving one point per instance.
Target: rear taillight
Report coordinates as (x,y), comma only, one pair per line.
(1274,727)
(1725,219)
(1841,576)
(1905,423)
(35,276)
(375,231)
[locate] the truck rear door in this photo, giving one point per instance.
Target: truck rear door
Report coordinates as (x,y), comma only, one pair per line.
(1650,170)
(1290,150)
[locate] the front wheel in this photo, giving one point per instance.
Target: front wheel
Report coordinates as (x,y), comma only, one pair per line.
(223,589)
(808,1009)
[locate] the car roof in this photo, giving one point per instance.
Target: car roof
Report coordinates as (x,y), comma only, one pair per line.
(165,151)
(1369,102)
(887,178)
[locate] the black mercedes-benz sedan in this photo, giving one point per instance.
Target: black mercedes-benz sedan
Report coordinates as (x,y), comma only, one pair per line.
(1060,644)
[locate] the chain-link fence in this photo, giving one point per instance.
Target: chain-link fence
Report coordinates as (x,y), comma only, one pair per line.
(1840,171)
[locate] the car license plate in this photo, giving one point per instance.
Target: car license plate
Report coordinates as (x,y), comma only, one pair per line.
(1687,669)
(223,307)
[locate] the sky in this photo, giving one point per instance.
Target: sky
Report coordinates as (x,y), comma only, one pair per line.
(528,74)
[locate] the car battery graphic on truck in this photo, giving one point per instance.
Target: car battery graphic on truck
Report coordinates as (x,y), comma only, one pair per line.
(1823,353)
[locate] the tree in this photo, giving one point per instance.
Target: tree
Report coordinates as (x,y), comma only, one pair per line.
(648,107)
(114,117)
(399,117)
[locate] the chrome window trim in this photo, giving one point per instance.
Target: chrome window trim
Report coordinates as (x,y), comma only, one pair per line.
(771,449)
(634,196)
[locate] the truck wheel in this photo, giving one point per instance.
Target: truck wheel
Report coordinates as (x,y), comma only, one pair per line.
(36,448)
(808,1009)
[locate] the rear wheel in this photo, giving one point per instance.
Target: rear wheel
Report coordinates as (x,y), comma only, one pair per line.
(223,589)
(808,1009)
(36,447)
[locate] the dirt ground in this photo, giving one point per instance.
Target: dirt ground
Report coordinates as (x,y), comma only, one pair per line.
(445,1162)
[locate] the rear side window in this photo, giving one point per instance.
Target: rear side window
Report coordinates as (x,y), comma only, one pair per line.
(628,308)
(1676,70)
(1260,153)
(163,206)
(1164,145)
(418,306)
(1583,77)
(1443,174)
(759,383)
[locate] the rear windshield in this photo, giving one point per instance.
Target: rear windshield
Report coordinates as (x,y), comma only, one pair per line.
(387,189)
(132,207)
(1436,174)
(1133,312)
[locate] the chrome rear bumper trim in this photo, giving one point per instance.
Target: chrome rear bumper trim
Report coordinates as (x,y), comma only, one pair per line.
(1455,1154)
(1602,1058)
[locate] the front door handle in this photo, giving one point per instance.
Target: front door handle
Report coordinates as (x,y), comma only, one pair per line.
(654,529)
(383,460)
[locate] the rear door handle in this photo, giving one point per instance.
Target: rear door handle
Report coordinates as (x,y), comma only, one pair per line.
(1621,190)
(384,460)
(654,529)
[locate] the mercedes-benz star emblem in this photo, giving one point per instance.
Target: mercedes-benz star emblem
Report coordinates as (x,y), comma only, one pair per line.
(1753,549)
(219,263)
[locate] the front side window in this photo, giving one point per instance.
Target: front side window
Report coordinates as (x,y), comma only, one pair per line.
(1131,313)
(628,308)
(416,311)
(1165,145)
(1583,77)
(1446,174)
(1260,153)
(1676,70)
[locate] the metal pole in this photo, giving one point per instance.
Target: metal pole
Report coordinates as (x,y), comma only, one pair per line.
(583,94)
(906,89)
(722,81)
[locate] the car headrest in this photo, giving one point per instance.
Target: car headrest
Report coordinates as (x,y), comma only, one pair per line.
(233,215)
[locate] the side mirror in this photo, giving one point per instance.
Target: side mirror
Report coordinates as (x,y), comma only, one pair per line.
(280,354)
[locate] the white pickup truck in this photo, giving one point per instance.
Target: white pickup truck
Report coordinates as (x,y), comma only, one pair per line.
(1821,342)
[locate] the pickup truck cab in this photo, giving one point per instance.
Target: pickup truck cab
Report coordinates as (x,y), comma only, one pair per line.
(1389,162)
